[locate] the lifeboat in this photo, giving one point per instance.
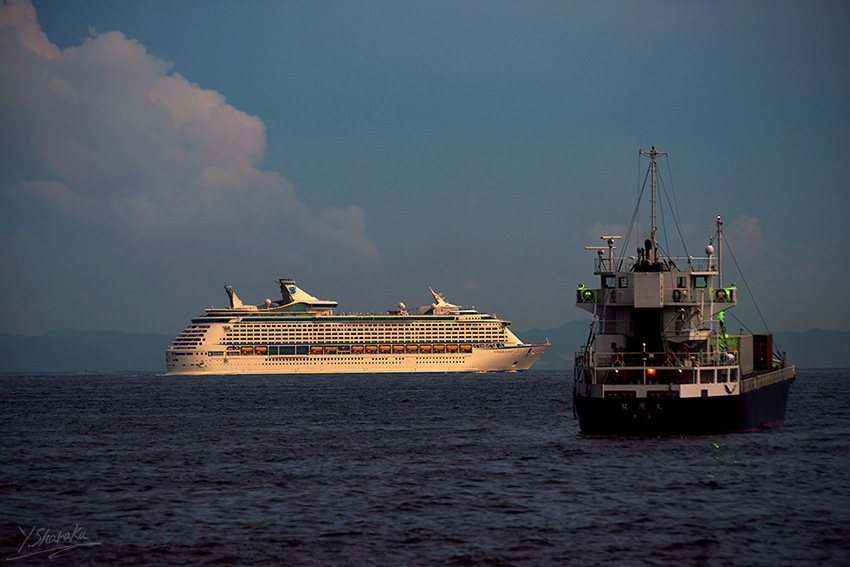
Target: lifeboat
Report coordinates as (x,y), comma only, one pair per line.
(344,349)
(451,348)
(465,348)
(316,349)
(384,348)
(439,348)
(398,348)
(412,348)
(247,350)
(371,348)
(357,348)
(330,350)
(261,350)
(425,348)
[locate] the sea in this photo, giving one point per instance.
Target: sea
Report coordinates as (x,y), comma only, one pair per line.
(404,469)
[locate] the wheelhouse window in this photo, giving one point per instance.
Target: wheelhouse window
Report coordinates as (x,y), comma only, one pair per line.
(624,281)
(681,281)
(609,282)
(700,281)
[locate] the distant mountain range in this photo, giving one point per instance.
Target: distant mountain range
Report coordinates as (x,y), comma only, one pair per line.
(68,351)
(65,350)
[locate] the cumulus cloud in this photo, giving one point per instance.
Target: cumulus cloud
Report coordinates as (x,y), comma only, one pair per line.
(107,135)
(744,234)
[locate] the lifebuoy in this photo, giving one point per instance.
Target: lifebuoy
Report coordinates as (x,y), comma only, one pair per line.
(587,295)
(677,295)
(617,359)
(720,295)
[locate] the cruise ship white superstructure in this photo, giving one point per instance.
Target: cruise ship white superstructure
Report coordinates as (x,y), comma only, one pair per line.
(301,334)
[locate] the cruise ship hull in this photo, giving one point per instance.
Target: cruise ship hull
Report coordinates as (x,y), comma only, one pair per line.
(506,359)
(748,409)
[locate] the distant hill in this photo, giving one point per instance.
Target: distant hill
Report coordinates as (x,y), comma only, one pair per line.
(817,348)
(566,341)
(65,350)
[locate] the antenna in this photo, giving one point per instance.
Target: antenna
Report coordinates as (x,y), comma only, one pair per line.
(610,248)
(719,256)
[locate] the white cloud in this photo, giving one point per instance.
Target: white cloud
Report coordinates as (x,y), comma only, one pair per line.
(746,236)
(107,135)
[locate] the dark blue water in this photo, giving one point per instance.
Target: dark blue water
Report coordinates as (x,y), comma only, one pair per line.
(469,469)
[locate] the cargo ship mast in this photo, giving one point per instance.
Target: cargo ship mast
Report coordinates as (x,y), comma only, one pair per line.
(653,166)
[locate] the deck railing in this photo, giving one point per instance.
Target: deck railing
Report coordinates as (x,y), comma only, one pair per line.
(639,368)
(767,379)
(603,264)
(632,360)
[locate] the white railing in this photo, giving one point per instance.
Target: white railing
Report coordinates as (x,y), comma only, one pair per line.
(632,360)
(768,379)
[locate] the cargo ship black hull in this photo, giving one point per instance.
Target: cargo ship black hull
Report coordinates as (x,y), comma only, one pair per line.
(750,411)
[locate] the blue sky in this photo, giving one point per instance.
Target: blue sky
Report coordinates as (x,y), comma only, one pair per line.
(151,152)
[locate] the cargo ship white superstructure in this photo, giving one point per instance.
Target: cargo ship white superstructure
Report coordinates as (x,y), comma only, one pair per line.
(301,334)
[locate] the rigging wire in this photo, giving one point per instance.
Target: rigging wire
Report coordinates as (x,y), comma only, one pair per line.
(741,323)
(672,203)
(749,291)
(674,207)
(663,218)
(632,222)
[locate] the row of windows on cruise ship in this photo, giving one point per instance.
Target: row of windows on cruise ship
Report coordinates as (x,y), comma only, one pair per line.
(367,334)
(363,332)
(355,334)
(366,325)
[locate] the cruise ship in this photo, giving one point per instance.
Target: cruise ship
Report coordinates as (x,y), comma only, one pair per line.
(301,334)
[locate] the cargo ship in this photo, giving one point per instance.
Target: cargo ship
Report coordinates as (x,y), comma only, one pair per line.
(301,334)
(658,359)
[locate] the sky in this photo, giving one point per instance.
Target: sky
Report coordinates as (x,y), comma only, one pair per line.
(152,152)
